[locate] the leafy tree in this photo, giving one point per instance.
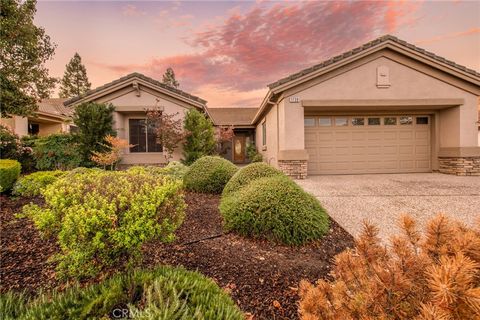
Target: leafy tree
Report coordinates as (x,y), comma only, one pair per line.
(113,154)
(169,78)
(168,129)
(75,80)
(200,140)
(24,49)
(94,122)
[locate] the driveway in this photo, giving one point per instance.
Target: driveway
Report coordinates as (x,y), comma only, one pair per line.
(382,198)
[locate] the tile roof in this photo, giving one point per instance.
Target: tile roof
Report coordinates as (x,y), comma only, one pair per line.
(232,116)
(366,46)
(140,76)
(55,107)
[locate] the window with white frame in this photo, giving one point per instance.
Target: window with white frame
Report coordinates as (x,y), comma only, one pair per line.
(142,137)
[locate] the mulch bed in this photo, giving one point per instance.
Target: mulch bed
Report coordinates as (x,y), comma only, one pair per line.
(262,277)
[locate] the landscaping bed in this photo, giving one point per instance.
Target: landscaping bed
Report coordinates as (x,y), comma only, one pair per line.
(261,277)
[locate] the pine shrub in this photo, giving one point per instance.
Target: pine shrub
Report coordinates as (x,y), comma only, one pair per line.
(200,140)
(32,184)
(9,173)
(164,293)
(249,173)
(209,174)
(434,275)
(275,208)
(103,217)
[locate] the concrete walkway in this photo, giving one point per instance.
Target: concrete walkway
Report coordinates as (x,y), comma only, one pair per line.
(382,198)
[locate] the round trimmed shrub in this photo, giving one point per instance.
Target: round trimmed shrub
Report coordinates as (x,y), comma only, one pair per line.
(32,184)
(164,293)
(9,173)
(275,208)
(249,173)
(209,174)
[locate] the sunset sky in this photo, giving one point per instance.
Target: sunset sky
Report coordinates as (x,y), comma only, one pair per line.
(227,52)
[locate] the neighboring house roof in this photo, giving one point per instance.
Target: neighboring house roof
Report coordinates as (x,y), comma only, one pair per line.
(141,77)
(232,116)
(54,107)
(386,41)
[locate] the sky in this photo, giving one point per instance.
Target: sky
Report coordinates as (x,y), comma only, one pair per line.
(227,52)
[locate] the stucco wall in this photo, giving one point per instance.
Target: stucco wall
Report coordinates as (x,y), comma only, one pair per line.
(270,151)
(18,124)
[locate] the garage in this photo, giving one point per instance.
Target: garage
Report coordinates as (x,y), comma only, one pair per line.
(349,144)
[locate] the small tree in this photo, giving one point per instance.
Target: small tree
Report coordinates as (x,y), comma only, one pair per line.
(75,80)
(223,134)
(94,122)
(113,154)
(168,129)
(169,78)
(200,140)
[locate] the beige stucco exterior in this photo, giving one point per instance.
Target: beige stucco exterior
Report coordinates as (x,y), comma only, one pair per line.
(47,125)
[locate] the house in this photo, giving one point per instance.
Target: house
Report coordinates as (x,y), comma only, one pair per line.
(384,107)
(51,117)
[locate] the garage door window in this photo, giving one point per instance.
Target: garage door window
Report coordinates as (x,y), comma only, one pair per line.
(422,120)
(341,121)
(406,120)
(373,121)
(325,122)
(358,121)
(309,122)
(390,121)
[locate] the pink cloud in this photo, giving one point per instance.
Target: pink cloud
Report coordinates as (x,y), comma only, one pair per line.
(453,35)
(249,50)
(131,10)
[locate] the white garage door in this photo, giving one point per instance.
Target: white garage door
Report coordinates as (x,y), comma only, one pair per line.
(367,144)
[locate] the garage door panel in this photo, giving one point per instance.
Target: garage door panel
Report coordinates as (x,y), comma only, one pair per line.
(368,149)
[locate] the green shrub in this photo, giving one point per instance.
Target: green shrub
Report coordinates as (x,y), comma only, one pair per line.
(164,293)
(32,184)
(175,170)
(58,151)
(14,148)
(275,208)
(200,140)
(249,173)
(9,172)
(253,155)
(209,174)
(101,217)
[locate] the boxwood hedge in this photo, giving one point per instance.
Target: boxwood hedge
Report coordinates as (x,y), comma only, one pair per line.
(209,174)
(164,293)
(275,208)
(32,184)
(9,172)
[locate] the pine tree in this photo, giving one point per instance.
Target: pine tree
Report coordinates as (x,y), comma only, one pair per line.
(200,139)
(169,78)
(75,80)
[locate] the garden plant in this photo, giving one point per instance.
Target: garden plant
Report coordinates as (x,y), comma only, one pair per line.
(209,174)
(34,183)
(9,173)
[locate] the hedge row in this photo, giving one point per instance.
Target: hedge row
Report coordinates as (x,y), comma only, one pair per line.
(9,173)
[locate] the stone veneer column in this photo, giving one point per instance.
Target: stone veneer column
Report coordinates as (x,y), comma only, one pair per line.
(460,166)
(293,163)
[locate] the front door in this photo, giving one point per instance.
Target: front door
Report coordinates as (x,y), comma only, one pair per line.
(239,149)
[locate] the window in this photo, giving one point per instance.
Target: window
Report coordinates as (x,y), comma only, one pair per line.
(373,121)
(341,121)
(143,137)
(358,121)
(325,121)
(390,121)
(264,133)
(309,122)
(422,120)
(33,128)
(406,120)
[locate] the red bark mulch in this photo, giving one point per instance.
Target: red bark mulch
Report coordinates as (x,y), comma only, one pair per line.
(262,277)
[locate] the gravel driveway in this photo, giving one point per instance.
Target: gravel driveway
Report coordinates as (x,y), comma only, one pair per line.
(382,198)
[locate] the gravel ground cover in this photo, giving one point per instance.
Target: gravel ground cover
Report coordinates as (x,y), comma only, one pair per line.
(382,198)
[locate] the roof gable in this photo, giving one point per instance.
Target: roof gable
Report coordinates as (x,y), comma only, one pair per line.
(132,79)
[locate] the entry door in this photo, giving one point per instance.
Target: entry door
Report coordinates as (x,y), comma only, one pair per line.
(368,144)
(239,149)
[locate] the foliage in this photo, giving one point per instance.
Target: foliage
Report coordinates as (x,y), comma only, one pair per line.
(164,293)
(32,184)
(24,50)
(249,173)
(431,275)
(168,129)
(113,154)
(11,147)
(275,208)
(9,172)
(253,154)
(223,134)
(169,78)
(59,151)
(103,217)
(94,122)
(200,140)
(209,174)
(175,170)
(75,80)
